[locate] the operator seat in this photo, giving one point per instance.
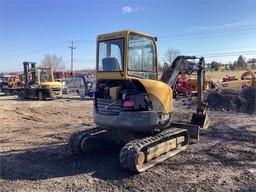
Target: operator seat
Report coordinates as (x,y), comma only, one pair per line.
(110,64)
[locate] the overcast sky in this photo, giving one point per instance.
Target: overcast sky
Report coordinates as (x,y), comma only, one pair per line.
(219,30)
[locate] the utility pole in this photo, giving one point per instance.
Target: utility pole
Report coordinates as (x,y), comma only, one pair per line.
(72,47)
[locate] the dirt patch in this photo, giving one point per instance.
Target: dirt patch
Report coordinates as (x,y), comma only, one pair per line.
(34,155)
(233,100)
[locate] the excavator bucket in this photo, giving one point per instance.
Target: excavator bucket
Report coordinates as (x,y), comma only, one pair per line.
(201,119)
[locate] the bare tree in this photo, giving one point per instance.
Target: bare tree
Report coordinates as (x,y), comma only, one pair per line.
(171,54)
(56,63)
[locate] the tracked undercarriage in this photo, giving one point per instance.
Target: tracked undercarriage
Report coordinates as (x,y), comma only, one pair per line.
(136,155)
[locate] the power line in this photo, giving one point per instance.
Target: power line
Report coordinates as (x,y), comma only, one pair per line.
(222,54)
(231,54)
(233,29)
(206,36)
(35,50)
(208,33)
(199,53)
(238,52)
(227,48)
(92,57)
(196,36)
(85,40)
(161,38)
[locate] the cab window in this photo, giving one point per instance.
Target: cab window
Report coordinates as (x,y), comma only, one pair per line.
(141,57)
(110,55)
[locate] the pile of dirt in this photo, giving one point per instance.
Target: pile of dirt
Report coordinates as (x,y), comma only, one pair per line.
(243,101)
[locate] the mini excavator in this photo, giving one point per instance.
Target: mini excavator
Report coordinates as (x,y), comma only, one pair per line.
(133,108)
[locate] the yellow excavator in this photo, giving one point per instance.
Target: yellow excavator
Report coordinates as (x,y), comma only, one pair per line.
(133,108)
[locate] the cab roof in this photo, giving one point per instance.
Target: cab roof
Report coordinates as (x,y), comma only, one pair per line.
(119,34)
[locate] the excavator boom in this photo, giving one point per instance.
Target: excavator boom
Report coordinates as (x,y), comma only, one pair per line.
(188,63)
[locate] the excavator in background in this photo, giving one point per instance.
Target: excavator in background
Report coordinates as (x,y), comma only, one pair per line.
(133,108)
(39,83)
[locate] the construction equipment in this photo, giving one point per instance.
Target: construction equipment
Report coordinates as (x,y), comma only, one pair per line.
(39,83)
(248,79)
(9,83)
(133,108)
(84,86)
(59,75)
(186,85)
(229,78)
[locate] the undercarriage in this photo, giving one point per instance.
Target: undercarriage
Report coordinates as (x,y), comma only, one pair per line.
(140,151)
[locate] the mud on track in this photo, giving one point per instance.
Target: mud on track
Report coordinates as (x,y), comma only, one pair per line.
(34,156)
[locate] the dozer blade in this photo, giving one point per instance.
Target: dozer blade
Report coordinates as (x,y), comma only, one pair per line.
(201,119)
(142,154)
(192,129)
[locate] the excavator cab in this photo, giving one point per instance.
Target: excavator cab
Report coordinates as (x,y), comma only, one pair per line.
(126,55)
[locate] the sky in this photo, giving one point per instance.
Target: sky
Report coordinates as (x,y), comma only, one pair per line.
(219,30)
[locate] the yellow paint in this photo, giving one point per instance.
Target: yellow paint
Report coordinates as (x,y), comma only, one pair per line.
(110,75)
(218,75)
(51,84)
(120,34)
(160,90)
(237,84)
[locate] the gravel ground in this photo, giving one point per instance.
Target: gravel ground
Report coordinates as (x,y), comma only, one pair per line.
(34,155)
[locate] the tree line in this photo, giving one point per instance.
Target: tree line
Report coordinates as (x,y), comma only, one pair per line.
(240,63)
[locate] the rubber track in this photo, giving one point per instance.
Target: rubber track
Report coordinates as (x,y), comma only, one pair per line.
(75,139)
(129,151)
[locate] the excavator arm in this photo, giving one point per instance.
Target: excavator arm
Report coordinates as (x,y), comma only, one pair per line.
(180,64)
(185,64)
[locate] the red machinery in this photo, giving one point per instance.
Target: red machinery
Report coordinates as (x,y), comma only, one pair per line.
(9,83)
(185,86)
(229,78)
(59,75)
